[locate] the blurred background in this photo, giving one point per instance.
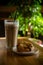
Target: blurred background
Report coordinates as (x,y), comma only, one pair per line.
(28,12)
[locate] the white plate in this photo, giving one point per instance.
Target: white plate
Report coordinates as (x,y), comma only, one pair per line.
(36,51)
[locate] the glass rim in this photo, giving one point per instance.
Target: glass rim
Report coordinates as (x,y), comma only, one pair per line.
(9,20)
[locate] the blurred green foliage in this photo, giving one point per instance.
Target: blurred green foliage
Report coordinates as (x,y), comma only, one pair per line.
(37,25)
(28,11)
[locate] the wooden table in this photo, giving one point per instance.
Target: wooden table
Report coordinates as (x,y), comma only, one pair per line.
(6,59)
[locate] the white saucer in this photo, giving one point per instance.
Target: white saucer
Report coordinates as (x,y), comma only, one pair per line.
(36,51)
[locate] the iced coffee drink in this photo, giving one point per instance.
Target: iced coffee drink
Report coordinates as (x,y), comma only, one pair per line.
(11,32)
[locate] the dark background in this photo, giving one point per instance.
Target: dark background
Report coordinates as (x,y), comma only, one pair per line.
(5,2)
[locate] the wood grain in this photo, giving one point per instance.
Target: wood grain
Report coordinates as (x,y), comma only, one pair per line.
(13,59)
(7,9)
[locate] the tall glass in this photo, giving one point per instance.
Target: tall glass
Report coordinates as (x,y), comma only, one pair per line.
(11,32)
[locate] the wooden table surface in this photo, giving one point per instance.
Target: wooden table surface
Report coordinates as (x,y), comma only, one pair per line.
(6,59)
